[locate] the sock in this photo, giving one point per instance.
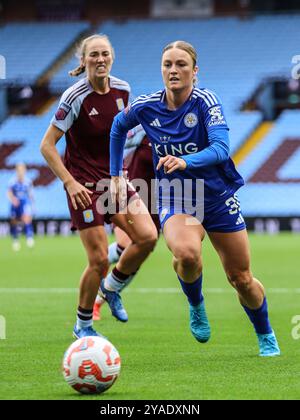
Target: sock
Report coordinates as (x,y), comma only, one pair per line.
(114,252)
(28,230)
(120,249)
(193,291)
(128,281)
(116,281)
(84,318)
(259,318)
(99,300)
(14,232)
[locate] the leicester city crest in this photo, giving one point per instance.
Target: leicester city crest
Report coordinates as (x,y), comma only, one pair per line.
(191,120)
(163,213)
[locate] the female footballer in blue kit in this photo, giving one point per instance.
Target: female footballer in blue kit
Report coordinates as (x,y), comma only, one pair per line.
(189,137)
(20,195)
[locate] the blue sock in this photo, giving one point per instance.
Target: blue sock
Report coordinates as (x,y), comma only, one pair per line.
(193,291)
(259,318)
(28,230)
(14,232)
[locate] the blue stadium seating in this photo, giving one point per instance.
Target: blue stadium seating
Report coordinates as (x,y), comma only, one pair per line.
(277,199)
(50,200)
(29,49)
(234,58)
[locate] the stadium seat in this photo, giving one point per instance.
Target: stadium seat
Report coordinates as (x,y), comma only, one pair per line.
(235,56)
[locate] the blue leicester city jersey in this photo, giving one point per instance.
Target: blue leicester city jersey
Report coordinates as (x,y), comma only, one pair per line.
(181,133)
(21,190)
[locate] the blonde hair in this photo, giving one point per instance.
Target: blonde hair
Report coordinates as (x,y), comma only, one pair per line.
(81,51)
(188,48)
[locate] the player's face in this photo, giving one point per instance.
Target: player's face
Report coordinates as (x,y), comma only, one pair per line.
(98,58)
(178,70)
(21,171)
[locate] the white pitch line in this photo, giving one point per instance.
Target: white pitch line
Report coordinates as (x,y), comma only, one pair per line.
(161,290)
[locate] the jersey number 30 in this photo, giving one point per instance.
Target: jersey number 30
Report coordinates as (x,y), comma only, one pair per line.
(234,204)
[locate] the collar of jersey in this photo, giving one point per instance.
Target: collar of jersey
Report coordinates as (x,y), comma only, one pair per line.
(163,103)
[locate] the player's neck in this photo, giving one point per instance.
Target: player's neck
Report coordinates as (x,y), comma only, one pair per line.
(176,98)
(100,85)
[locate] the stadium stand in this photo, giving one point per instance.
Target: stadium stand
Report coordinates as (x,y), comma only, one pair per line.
(23,134)
(272,171)
(235,79)
(235,56)
(30,49)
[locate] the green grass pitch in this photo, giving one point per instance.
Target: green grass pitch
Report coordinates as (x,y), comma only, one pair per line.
(160,358)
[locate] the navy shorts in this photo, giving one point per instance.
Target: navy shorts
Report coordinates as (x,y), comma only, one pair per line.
(223,216)
(23,209)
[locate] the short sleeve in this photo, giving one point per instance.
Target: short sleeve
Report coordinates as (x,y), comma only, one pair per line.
(65,114)
(130,117)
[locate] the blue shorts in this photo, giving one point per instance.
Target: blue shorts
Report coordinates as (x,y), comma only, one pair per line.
(23,209)
(223,216)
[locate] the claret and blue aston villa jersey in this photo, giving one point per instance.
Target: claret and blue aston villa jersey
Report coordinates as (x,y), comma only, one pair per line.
(181,132)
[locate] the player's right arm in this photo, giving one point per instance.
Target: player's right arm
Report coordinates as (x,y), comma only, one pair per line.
(123,122)
(12,198)
(79,195)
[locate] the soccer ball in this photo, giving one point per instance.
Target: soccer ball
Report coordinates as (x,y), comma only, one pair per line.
(91,365)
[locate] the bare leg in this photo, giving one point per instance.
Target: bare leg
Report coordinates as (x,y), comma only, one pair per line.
(95,243)
(184,242)
(234,251)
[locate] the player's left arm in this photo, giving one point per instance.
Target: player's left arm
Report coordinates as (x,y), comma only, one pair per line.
(212,114)
(218,147)
(216,152)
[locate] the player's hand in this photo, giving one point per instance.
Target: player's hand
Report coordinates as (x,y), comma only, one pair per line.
(118,190)
(15,202)
(78,194)
(171,164)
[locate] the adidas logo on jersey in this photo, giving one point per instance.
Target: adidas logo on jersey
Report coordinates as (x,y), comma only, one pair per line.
(94,112)
(155,123)
(240,220)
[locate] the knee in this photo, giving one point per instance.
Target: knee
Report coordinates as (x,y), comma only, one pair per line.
(98,262)
(240,279)
(148,240)
(27,220)
(188,257)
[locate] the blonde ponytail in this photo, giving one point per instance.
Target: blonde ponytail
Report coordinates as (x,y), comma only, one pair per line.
(77,71)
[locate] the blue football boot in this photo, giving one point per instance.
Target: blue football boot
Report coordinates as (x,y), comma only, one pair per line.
(199,323)
(268,345)
(85,332)
(115,303)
